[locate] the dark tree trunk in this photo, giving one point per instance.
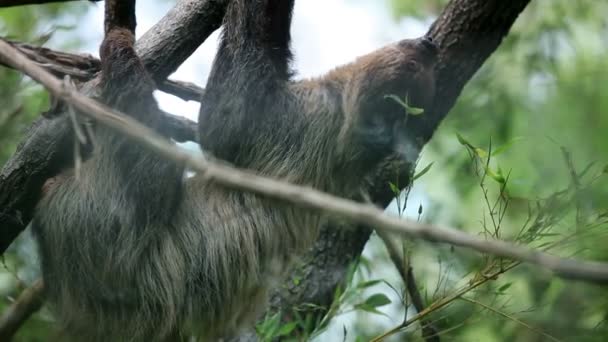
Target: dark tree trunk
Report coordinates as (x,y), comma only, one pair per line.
(467,31)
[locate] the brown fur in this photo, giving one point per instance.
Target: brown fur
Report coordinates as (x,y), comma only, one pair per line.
(131,252)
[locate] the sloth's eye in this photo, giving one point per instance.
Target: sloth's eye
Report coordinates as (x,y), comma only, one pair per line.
(413,66)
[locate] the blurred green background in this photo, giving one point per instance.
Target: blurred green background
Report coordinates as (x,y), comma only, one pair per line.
(538,108)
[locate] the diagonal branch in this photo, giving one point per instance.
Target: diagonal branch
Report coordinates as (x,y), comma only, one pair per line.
(178,34)
(84,67)
(30,301)
(299,195)
(174,38)
(430,333)
(468,32)
(163,50)
(42,152)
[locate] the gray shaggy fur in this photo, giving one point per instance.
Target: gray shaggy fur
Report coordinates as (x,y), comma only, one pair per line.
(132,252)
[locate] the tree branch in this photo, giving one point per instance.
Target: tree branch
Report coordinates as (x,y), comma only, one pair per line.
(336,249)
(174,38)
(466,40)
(468,32)
(429,331)
(42,153)
(30,301)
(178,34)
(84,67)
(299,195)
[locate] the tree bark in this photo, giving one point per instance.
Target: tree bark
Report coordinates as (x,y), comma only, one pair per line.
(467,31)
(47,146)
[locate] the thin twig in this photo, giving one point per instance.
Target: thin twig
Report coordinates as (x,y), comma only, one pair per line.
(514,319)
(429,332)
(231,177)
(442,302)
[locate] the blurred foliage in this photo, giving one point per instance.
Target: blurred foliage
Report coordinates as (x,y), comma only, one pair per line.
(538,111)
(22,102)
(22,99)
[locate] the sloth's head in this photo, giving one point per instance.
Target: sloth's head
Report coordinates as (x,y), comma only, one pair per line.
(389,85)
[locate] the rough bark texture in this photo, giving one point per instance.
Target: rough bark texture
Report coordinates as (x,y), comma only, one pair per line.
(467,31)
(84,67)
(47,146)
(181,31)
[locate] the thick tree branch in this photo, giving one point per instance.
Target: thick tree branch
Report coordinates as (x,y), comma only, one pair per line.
(174,38)
(299,195)
(468,32)
(178,34)
(46,148)
(335,249)
(84,67)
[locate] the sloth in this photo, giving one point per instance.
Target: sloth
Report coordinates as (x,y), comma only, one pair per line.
(133,251)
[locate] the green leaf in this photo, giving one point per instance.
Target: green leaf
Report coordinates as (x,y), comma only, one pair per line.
(505,146)
(497,176)
(464,141)
(424,171)
(396,99)
(394,189)
(411,110)
(415,110)
(373,302)
(505,287)
(286,329)
(369,283)
(377,300)
(481,153)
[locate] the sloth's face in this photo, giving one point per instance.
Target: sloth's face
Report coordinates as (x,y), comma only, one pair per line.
(397,81)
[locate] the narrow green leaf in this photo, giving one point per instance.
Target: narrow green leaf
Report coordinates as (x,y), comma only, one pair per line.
(394,189)
(286,329)
(411,110)
(415,111)
(505,146)
(396,99)
(481,153)
(505,287)
(464,141)
(497,176)
(423,171)
(369,283)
